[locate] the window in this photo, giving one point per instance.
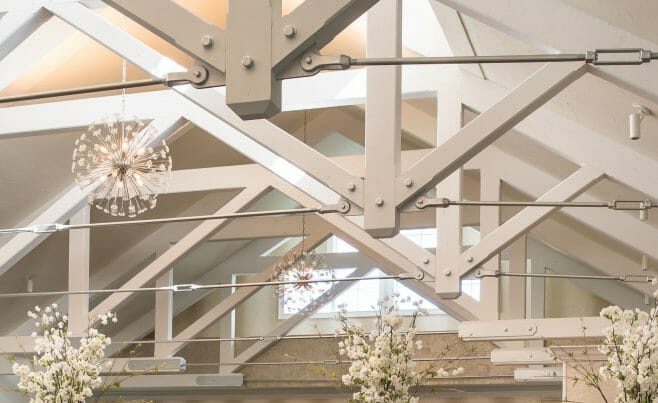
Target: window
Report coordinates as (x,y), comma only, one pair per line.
(472,288)
(426,238)
(423,237)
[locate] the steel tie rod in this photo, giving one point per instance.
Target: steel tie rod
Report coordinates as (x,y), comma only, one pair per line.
(193,287)
(266,338)
(312,62)
(626,278)
(342,208)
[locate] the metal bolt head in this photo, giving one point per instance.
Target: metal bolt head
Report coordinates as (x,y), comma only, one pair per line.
(447,272)
(379,201)
(426,260)
(289,31)
(196,73)
(408,182)
(351,187)
(469,259)
(247,62)
(308,60)
(207,41)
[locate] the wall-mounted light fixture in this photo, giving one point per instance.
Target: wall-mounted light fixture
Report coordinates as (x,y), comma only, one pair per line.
(635,118)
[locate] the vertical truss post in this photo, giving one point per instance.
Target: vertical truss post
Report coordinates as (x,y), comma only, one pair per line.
(449,221)
(164,312)
(489,221)
(518,258)
(252,90)
(382,120)
(79,272)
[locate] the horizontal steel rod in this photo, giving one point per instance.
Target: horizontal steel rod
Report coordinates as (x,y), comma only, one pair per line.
(527,204)
(194,287)
(623,278)
(625,205)
(83,90)
(326,362)
(421,203)
(388,61)
(265,338)
(588,57)
(48,228)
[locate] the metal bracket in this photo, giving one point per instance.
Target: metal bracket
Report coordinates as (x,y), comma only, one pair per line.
(184,287)
(269,339)
(419,275)
(635,278)
(631,205)
(479,273)
(594,57)
(500,330)
(196,76)
(424,202)
(342,207)
(313,62)
(47,228)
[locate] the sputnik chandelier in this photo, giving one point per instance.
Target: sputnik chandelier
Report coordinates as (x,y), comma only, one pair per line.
(121,160)
(296,269)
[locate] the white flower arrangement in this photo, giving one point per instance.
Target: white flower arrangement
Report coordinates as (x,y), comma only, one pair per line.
(631,347)
(58,372)
(383,366)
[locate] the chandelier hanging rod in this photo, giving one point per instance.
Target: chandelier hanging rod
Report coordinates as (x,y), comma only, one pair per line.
(193,287)
(266,338)
(342,208)
(628,205)
(626,278)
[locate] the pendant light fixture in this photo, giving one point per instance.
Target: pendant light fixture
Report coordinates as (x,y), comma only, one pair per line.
(121,160)
(298,267)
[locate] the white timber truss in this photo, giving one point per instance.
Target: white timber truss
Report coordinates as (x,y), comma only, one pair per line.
(262,74)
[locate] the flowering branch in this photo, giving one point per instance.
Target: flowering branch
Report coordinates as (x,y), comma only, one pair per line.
(383,366)
(58,372)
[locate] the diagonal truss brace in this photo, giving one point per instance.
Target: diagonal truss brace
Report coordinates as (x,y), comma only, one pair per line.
(529,96)
(290,323)
(186,31)
(225,306)
(183,247)
(504,235)
(15,26)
